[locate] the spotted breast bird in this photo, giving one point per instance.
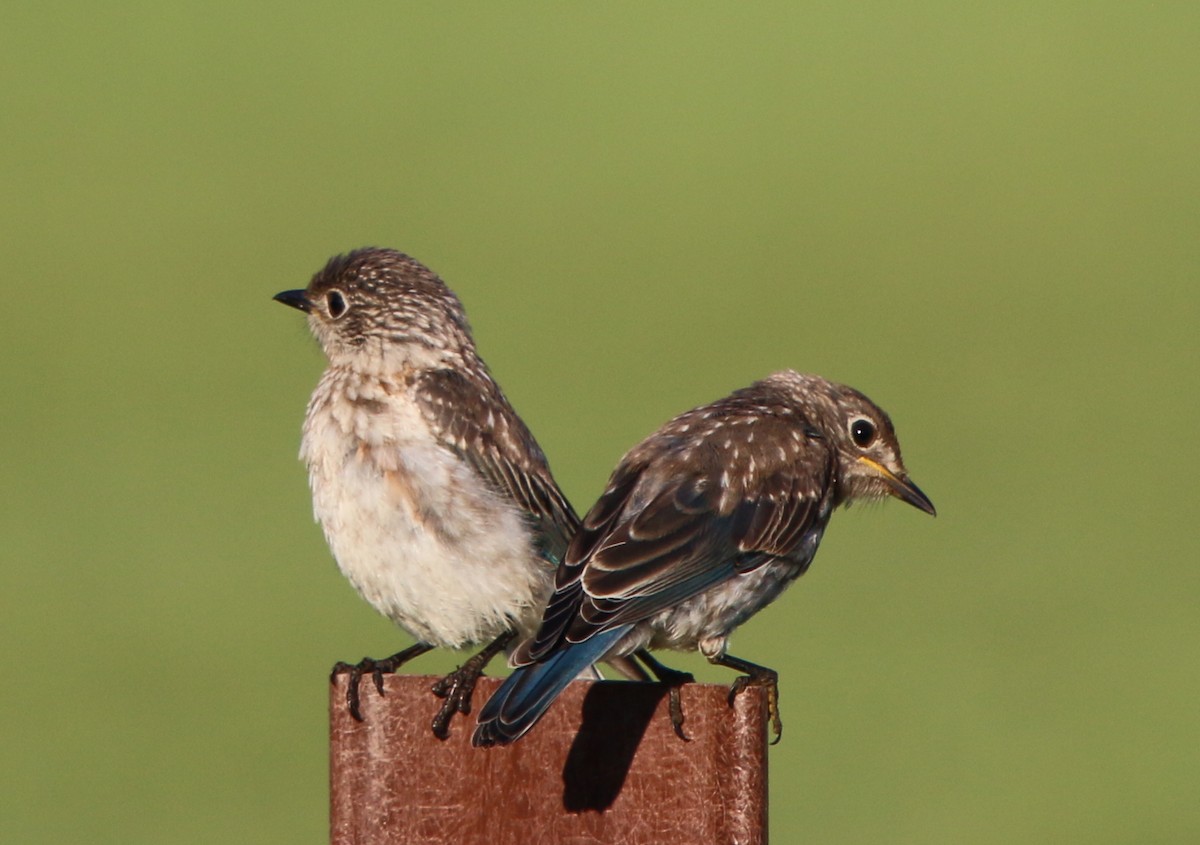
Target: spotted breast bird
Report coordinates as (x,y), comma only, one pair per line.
(433,495)
(702,525)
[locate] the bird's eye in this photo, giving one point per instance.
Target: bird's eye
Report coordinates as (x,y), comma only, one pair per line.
(862,432)
(336,303)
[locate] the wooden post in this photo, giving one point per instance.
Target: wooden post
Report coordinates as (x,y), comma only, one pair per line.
(602,766)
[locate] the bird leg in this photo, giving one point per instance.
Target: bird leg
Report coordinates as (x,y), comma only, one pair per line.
(376,668)
(674,679)
(756,676)
(458,687)
(628,668)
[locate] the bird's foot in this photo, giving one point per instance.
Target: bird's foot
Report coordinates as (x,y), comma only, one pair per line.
(756,676)
(768,678)
(376,669)
(675,708)
(675,679)
(458,687)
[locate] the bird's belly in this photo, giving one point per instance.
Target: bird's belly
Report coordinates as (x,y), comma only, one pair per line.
(716,612)
(430,547)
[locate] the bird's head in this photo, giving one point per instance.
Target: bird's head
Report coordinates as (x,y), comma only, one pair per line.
(870,466)
(379,309)
(869,453)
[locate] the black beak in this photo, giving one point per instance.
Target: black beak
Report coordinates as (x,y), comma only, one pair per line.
(900,487)
(294,298)
(906,491)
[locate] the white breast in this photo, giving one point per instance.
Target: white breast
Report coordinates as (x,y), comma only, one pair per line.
(416,531)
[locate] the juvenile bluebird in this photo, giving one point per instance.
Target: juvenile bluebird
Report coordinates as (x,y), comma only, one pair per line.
(436,500)
(702,525)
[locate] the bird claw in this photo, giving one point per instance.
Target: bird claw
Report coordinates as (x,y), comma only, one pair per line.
(458,687)
(376,668)
(762,677)
(675,679)
(675,708)
(356,672)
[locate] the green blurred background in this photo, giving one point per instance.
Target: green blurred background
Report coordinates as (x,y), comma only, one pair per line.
(985,218)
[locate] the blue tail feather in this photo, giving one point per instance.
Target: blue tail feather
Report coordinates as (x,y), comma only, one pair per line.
(528,692)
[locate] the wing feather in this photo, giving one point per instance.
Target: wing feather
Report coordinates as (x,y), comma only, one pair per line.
(682,514)
(469,415)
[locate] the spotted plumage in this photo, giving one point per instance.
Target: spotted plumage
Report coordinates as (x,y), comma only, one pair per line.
(701,525)
(435,499)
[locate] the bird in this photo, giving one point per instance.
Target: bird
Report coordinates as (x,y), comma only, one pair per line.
(700,526)
(434,497)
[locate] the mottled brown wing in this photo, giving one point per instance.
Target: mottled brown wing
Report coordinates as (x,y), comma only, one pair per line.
(565,602)
(711,495)
(471,416)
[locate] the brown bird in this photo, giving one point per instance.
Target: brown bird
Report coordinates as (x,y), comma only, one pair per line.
(436,500)
(702,525)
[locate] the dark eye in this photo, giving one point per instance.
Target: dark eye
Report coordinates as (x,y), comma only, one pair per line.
(862,432)
(336,303)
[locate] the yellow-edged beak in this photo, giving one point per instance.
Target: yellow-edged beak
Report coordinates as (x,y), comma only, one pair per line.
(902,488)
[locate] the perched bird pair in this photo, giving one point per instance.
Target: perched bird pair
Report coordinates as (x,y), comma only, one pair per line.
(440,508)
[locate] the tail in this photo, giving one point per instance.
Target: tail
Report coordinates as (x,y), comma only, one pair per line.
(529,691)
